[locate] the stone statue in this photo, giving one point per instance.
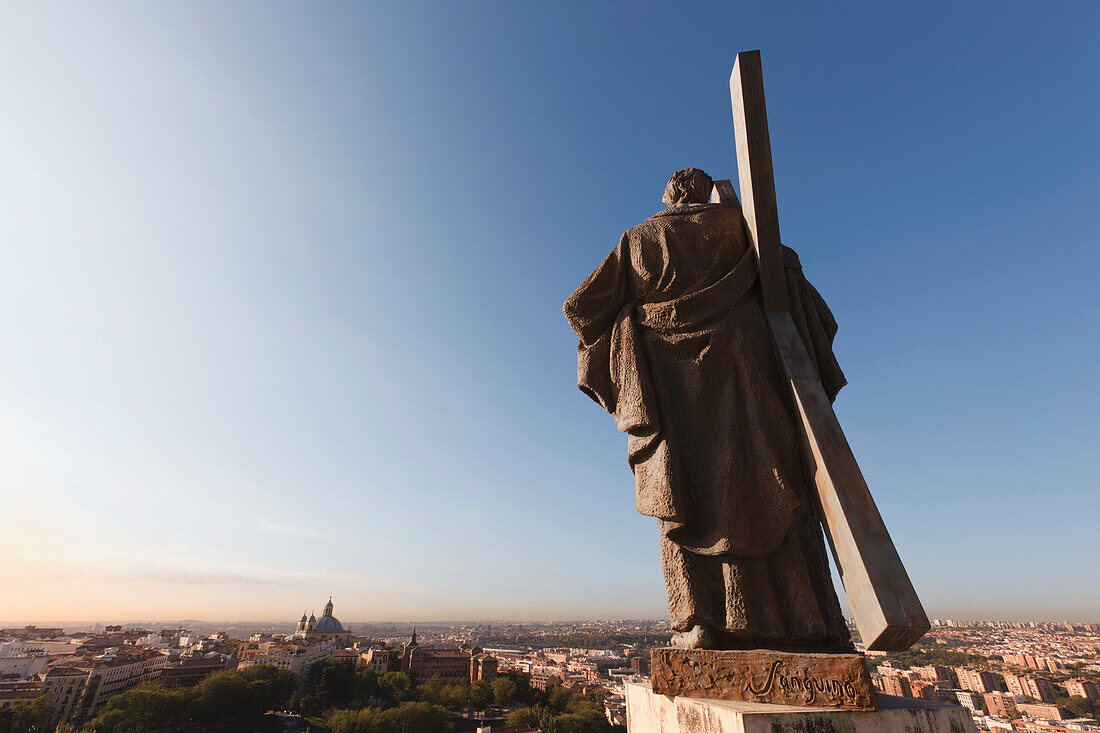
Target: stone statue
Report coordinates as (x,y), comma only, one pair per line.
(675,344)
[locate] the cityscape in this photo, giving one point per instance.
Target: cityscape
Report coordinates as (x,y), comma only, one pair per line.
(321,674)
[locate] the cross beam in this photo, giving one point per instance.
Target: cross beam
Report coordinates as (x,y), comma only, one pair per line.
(888,613)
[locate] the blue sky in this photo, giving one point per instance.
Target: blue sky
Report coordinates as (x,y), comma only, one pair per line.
(281,289)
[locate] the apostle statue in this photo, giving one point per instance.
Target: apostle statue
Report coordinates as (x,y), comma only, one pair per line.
(675,344)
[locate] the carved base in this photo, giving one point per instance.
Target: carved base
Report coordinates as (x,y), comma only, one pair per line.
(647,712)
(837,681)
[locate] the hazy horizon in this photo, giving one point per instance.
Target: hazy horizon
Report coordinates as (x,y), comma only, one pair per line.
(431,622)
(280,303)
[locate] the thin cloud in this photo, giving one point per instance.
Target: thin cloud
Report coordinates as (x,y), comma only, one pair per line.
(178,574)
(285,529)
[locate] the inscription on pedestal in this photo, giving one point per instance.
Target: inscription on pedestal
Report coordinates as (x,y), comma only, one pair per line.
(838,681)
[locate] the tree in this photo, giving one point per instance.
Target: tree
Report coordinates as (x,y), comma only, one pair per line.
(584,716)
(238,697)
(148,704)
(367,720)
(223,697)
(456,695)
(938,654)
(504,691)
(270,687)
(588,721)
(1076,705)
(560,698)
(396,687)
(28,716)
(525,693)
(432,690)
(330,683)
(418,717)
(368,683)
(530,716)
(480,694)
(568,713)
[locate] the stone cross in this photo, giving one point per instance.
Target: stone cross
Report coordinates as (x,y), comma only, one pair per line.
(888,614)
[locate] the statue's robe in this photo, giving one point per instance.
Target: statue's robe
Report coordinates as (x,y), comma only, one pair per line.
(675,344)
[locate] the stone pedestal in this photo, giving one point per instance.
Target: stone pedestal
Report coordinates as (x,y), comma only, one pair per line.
(838,681)
(648,712)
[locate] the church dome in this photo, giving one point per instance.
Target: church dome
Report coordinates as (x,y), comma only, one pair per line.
(328,625)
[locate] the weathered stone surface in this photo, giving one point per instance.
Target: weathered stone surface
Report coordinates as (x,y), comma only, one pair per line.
(838,681)
(648,712)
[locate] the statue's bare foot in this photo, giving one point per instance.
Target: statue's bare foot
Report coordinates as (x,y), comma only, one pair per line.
(698,637)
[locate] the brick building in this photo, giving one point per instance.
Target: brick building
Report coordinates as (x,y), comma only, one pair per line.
(1026,685)
(935,673)
(467,663)
(483,667)
(14,691)
(65,684)
(1084,688)
(1042,710)
(979,680)
(896,685)
(544,675)
(377,659)
(187,671)
(972,701)
(82,686)
(925,690)
(296,656)
(1002,704)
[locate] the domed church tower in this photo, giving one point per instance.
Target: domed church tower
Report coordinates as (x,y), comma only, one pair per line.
(327,627)
(322,629)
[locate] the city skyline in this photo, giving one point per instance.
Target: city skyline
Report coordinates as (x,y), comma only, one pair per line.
(939,622)
(280,314)
(999,671)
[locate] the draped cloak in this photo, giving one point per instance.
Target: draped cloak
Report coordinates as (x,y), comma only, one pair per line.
(675,344)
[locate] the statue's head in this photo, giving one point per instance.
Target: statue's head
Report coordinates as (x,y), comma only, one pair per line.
(689,186)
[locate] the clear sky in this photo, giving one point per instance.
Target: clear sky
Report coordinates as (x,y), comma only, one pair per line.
(281,287)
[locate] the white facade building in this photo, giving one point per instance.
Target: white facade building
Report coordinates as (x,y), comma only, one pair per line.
(296,656)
